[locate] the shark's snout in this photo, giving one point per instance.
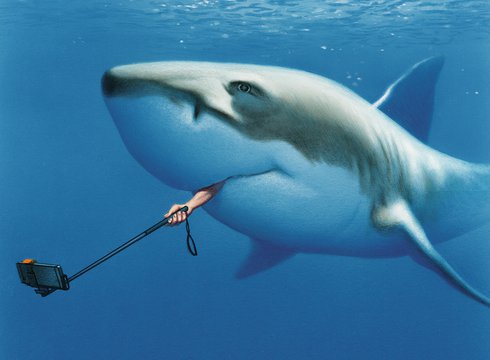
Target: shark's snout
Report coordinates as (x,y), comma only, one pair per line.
(109,83)
(117,84)
(119,81)
(140,80)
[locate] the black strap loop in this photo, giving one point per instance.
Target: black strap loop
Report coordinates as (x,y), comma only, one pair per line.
(191,244)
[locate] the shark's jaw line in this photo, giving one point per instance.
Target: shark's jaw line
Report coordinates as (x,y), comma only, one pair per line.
(232,178)
(308,165)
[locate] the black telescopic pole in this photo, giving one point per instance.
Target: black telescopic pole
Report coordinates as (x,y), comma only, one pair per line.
(124,246)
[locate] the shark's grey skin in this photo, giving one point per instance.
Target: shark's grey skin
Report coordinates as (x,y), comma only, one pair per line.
(308,165)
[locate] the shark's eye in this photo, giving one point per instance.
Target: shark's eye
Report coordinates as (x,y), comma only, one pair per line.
(244,87)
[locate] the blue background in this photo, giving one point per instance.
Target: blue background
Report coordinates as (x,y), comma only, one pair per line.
(70,192)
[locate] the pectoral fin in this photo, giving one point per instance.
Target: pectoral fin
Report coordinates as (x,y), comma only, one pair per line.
(263,256)
(398,215)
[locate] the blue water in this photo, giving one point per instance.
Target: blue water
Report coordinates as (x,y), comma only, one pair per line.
(69,190)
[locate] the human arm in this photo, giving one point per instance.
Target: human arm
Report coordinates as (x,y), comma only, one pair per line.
(201,197)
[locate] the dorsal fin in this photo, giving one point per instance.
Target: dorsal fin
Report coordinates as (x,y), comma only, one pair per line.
(410,100)
(263,256)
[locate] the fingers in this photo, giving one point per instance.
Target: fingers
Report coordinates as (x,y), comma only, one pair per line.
(177,218)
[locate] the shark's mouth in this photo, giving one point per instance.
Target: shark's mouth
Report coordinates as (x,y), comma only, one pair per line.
(218,185)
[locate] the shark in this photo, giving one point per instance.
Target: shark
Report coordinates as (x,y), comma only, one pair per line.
(307,165)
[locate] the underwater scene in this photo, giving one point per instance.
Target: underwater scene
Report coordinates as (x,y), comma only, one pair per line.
(334,157)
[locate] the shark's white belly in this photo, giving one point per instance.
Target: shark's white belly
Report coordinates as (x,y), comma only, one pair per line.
(298,210)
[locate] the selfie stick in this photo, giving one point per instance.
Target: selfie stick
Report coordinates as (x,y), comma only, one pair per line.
(49,278)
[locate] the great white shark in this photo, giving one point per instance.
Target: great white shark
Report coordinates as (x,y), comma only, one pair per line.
(308,166)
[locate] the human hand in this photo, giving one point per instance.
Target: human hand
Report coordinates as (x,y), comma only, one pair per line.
(180,216)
